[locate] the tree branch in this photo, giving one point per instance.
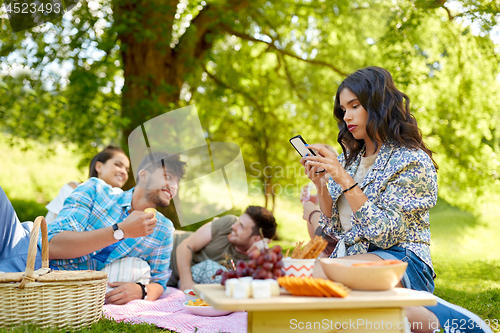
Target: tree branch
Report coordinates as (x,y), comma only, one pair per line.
(289,77)
(194,41)
(273,46)
(450,17)
(226,86)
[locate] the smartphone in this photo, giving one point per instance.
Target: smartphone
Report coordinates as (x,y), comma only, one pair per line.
(300,146)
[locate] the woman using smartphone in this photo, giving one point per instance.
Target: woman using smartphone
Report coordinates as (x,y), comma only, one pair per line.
(383,184)
(381,188)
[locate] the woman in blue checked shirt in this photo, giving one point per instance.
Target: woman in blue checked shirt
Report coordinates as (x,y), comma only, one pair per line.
(376,196)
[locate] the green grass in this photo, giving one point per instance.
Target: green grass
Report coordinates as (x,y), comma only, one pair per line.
(103,326)
(466,258)
(464,246)
(475,285)
(464,236)
(35,174)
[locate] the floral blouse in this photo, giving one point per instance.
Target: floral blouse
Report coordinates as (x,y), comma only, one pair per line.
(401,188)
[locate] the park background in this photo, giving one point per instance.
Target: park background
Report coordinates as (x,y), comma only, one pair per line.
(260,72)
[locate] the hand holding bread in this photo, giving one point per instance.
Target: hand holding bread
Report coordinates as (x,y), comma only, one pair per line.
(139,224)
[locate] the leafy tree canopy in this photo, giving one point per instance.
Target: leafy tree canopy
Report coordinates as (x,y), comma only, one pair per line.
(259,73)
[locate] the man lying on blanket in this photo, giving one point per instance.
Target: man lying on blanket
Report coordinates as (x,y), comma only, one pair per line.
(196,256)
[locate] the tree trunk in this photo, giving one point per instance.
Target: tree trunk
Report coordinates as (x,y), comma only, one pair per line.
(274,201)
(152,85)
(267,192)
(154,67)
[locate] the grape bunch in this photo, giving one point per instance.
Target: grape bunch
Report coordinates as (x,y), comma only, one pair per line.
(263,264)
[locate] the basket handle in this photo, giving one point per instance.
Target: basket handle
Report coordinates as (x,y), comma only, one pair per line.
(30,263)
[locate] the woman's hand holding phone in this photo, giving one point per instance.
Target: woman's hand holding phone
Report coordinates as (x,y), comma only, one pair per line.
(300,144)
(318,178)
(327,160)
(317,174)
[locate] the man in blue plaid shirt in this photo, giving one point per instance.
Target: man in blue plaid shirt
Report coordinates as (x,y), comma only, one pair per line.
(99,225)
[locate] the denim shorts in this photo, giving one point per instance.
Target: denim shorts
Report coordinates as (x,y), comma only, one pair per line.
(418,275)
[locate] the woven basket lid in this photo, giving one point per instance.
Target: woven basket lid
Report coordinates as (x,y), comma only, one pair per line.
(44,275)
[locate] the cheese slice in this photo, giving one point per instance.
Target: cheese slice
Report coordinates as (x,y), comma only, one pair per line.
(229,287)
(261,289)
(246,279)
(242,290)
(275,287)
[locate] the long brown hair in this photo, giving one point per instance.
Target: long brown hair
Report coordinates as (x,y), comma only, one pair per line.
(106,154)
(389,116)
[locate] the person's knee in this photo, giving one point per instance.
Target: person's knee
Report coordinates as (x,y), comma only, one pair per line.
(421,320)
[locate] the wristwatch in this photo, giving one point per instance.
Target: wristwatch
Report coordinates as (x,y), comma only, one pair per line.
(144,290)
(117,232)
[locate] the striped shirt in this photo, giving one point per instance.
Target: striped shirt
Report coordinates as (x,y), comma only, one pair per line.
(94,205)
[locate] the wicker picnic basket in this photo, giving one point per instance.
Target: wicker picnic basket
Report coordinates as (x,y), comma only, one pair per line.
(69,299)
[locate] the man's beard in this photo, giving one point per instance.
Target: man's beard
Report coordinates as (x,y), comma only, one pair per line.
(154,195)
(236,241)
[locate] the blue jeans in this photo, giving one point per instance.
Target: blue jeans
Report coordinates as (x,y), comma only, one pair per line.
(418,275)
(454,318)
(14,239)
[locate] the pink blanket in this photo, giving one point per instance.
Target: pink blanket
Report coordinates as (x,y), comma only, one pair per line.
(168,312)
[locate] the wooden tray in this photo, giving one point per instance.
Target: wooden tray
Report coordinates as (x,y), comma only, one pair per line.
(394,298)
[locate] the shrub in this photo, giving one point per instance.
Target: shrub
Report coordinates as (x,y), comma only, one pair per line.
(28,210)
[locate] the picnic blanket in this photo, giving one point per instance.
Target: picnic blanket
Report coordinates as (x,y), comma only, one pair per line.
(168,312)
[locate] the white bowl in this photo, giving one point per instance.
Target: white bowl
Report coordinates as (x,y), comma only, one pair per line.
(363,277)
(190,297)
(298,267)
(206,311)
